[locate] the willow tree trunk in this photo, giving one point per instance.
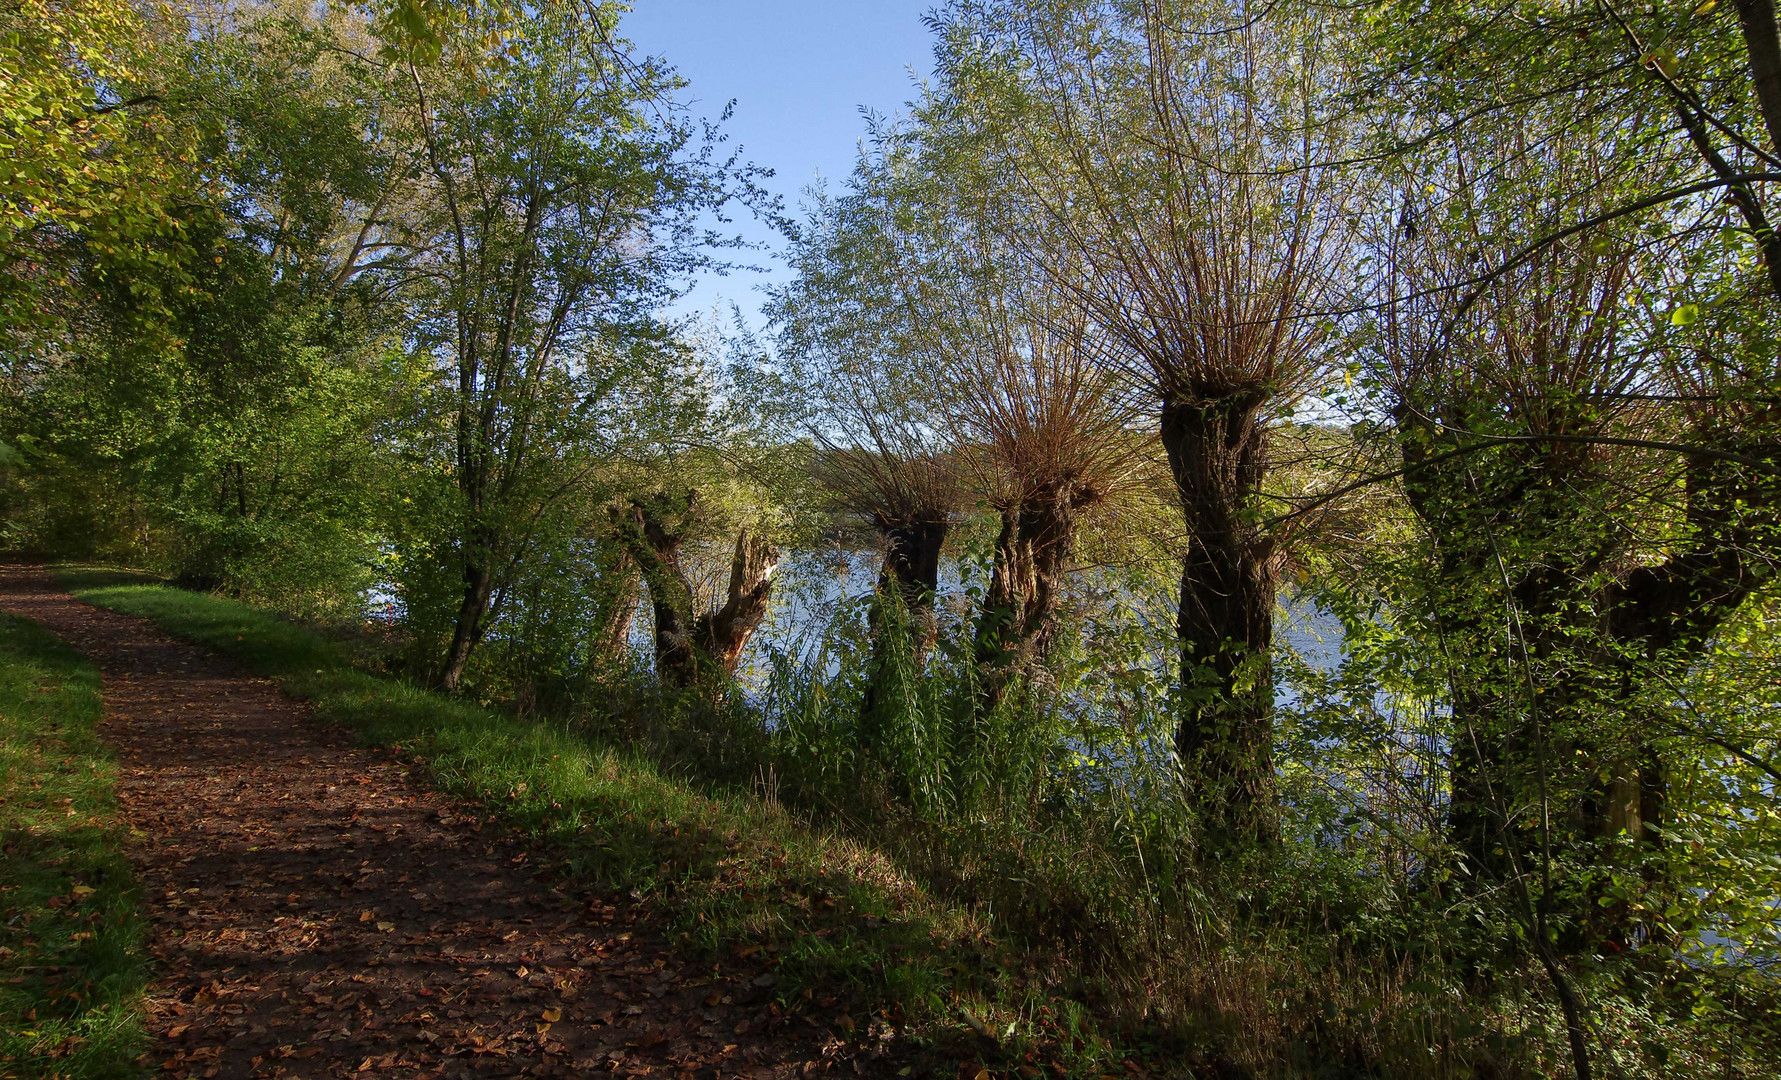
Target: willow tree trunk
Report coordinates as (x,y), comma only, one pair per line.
(1499,748)
(721,635)
(689,647)
(1018,621)
(1229,586)
(902,609)
(1600,645)
(1665,615)
(912,568)
(656,547)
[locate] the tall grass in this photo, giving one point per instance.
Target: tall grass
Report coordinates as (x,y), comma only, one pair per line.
(1058,815)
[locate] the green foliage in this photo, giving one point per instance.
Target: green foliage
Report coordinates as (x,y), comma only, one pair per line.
(212,411)
(248,450)
(84,167)
(72,969)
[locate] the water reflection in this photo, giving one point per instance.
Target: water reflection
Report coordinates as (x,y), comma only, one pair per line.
(817,590)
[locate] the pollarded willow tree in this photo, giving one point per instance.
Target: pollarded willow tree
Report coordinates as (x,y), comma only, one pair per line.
(1554,346)
(1591,386)
(965,373)
(674,485)
(1181,155)
(871,409)
(1597,486)
(1043,431)
(693,646)
(1583,382)
(698,467)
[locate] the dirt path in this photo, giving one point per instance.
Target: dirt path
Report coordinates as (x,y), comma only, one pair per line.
(312,912)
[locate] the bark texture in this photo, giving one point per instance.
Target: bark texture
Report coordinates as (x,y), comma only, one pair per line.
(692,648)
(1018,621)
(470,623)
(620,588)
(1595,639)
(1762,45)
(724,633)
(1229,581)
(911,566)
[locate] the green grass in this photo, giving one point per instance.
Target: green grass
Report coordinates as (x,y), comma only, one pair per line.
(836,921)
(72,969)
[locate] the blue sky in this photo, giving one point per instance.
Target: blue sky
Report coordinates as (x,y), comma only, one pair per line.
(800,71)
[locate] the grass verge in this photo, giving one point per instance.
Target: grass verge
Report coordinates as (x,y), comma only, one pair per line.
(72,969)
(850,939)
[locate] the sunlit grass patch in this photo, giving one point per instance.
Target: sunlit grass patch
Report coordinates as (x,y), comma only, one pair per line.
(71,964)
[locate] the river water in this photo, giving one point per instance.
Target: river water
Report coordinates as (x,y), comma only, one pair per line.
(817,590)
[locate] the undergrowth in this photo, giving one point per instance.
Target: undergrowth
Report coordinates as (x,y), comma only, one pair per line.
(1290,961)
(72,970)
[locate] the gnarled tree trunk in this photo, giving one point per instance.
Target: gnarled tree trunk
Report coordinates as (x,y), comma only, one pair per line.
(721,635)
(1670,611)
(912,567)
(1593,643)
(908,582)
(1018,620)
(1229,583)
(691,648)
(620,587)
